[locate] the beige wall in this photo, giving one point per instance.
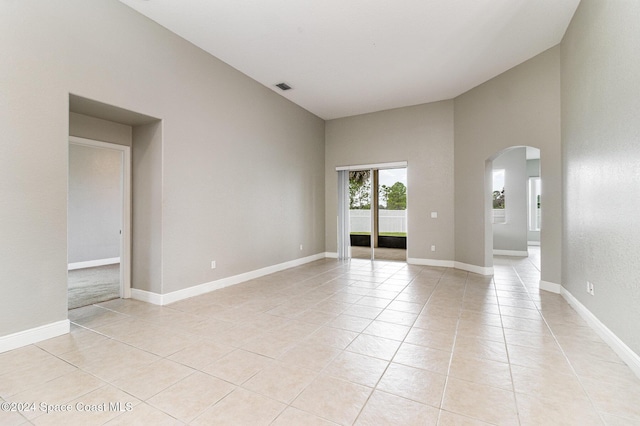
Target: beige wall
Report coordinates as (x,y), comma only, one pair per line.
(95,203)
(229,145)
(84,126)
(520,107)
(512,234)
(601,158)
(147,211)
(421,135)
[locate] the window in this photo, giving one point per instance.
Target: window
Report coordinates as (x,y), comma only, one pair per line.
(499,204)
(535,187)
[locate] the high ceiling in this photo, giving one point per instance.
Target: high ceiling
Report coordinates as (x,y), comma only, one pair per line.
(348,57)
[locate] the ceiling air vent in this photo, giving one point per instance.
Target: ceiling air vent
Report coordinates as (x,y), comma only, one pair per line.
(283,86)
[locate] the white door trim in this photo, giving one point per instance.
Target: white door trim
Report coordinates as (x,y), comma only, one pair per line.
(125,241)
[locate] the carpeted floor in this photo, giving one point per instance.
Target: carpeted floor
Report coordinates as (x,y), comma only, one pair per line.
(93,285)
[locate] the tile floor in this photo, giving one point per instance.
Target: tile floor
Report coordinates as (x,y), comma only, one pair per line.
(330,343)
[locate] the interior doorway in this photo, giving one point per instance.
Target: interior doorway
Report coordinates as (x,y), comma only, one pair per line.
(99,222)
(378,213)
(516,192)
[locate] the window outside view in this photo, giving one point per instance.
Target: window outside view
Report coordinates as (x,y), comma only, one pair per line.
(499,215)
(392,202)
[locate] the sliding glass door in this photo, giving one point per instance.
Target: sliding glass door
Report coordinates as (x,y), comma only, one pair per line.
(391,215)
(360,218)
(372,223)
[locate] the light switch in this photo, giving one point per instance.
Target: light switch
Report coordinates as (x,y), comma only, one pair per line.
(434,215)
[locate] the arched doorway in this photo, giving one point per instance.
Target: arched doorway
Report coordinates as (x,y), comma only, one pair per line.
(514,203)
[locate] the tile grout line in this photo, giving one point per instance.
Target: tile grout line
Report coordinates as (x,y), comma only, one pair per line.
(321,371)
(313,293)
(561,348)
(309,278)
(375,387)
(455,338)
(506,349)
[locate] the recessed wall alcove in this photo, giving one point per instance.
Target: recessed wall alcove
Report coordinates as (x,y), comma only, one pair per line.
(92,119)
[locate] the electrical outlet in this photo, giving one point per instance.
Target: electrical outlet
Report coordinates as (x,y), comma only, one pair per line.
(590,288)
(301,247)
(433,248)
(434,215)
(213,264)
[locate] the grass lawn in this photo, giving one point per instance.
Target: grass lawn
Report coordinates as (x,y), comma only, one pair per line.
(383,234)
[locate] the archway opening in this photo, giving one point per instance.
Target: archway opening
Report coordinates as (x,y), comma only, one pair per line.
(513,204)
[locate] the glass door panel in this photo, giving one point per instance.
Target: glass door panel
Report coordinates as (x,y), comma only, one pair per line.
(391,243)
(360,213)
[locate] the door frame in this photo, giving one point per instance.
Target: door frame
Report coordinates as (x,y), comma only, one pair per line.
(125,240)
(344,213)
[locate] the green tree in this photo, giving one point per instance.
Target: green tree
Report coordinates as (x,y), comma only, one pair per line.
(396,196)
(359,190)
(359,177)
(383,195)
(498,199)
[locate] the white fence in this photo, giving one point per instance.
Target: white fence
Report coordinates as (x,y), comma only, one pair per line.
(388,220)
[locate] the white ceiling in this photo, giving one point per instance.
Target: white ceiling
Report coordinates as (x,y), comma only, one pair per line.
(348,57)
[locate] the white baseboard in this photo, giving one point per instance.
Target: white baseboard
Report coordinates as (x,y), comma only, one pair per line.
(445,263)
(331,255)
(34,335)
(533,243)
(146,296)
(93,263)
(452,264)
(631,358)
(197,290)
(549,286)
(517,253)
(482,270)
(430,262)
